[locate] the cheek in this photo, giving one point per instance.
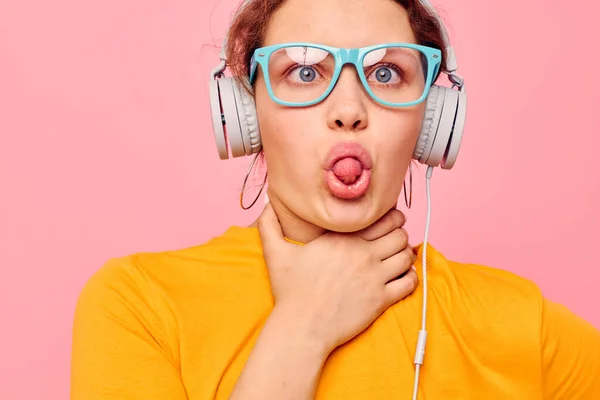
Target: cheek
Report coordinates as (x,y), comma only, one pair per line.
(274,131)
(268,118)
(283,133)
(400,131)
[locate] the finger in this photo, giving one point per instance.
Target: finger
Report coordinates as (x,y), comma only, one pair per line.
(269,228)
(397,265)
(398,289)
(390,244)
(393,219)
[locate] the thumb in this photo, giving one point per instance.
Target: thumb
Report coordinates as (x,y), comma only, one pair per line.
(269,228)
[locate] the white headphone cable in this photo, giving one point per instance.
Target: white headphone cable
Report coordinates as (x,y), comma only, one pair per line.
(420,352)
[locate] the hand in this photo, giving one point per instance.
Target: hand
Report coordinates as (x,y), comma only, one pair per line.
(334,287)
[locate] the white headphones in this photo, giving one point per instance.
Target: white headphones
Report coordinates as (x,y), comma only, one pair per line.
(235,123)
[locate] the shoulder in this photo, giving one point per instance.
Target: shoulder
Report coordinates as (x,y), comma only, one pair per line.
(491,314)
(232,258)
(495,284)
(489,285)
(116,296)
(486,302)
(498,300)
(117,278)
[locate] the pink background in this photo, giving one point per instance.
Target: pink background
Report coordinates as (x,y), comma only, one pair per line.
(106,149)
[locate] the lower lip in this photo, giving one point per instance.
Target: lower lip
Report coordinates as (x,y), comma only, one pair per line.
(348,192)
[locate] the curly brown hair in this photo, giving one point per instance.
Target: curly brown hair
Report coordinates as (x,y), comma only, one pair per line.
(248,28)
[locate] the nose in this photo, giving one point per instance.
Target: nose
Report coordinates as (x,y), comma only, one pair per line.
(347,109)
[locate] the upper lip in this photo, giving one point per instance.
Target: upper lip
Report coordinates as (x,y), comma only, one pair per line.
(348,149)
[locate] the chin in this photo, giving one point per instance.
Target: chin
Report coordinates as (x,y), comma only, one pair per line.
(339,215)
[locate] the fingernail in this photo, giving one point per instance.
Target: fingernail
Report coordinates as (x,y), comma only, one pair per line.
(414,268)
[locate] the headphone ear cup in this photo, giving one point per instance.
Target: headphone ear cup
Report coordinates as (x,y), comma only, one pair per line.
(248,119)
(439,139)
(216,114)
(457,132)
(233,125)
(433,108)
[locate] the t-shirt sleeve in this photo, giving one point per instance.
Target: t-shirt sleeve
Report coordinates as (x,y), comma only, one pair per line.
(121,349)
(570,355)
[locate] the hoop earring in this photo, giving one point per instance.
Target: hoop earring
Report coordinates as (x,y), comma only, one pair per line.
(246,181)
(407,198)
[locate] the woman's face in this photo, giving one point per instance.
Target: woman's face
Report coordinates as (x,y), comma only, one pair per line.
(297,141)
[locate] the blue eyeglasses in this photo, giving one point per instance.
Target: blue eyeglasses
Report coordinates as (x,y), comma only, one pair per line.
(304,74)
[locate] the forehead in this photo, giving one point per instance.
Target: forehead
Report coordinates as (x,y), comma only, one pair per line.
(340,23)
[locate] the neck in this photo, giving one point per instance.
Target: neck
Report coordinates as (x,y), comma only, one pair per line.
(294,227)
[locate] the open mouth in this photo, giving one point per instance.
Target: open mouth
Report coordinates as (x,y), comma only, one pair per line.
(347,170)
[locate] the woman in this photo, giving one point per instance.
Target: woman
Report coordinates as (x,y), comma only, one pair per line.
(319,300)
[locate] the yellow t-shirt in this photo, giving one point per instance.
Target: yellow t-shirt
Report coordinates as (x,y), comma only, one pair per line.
(181,324)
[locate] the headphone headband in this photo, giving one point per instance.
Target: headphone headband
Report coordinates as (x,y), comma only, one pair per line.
(451,63)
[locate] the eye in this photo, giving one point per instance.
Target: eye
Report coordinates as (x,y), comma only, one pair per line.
(306,74)
(385,74)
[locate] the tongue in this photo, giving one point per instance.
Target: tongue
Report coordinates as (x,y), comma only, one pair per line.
(347,170)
